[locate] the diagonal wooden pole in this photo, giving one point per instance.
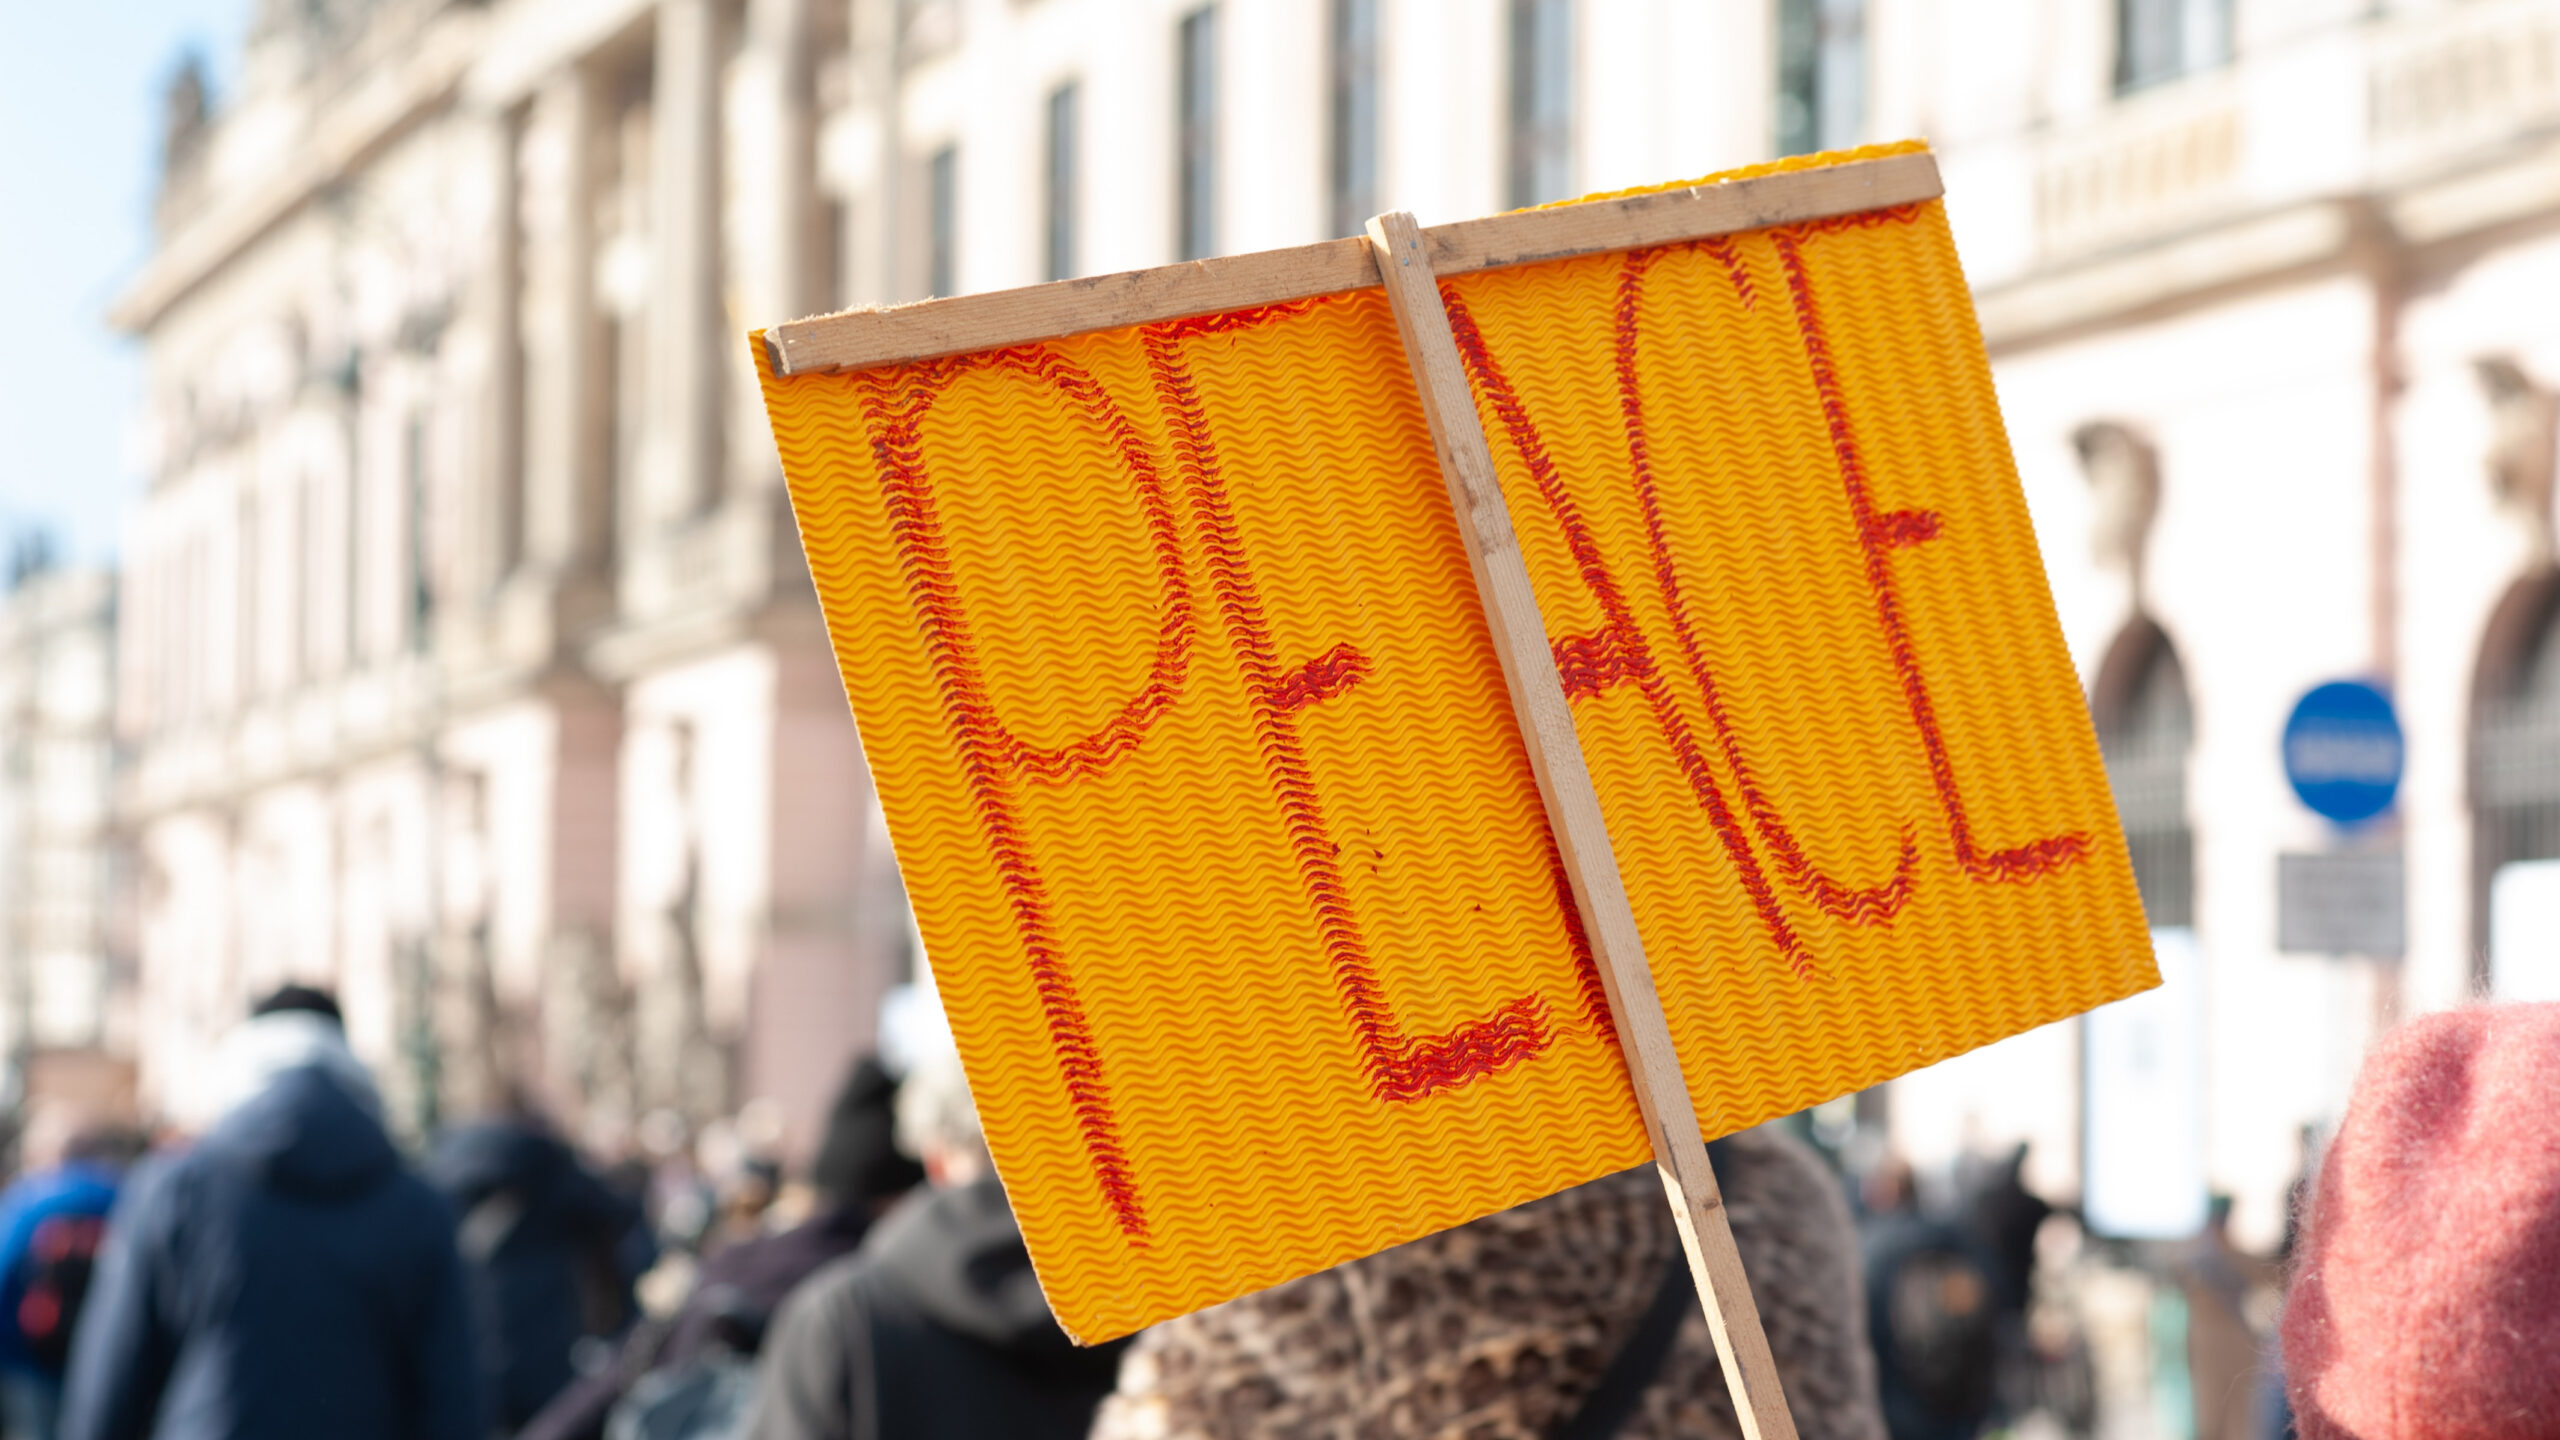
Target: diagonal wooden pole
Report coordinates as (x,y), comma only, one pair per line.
(1573,813)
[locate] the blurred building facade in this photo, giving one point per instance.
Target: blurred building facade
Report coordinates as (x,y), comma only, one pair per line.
(469,663)
(2266,285)
(66,981)
(469,660)
(2266,288)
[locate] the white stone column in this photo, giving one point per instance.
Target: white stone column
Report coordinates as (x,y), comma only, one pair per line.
(875,276)
(775,148)
(787,276)
(499,498)
(685,309)
(567,524)
(138,681)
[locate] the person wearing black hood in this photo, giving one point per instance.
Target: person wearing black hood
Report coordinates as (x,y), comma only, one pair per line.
(1931,1289)
(857,1173)
(541,1241)
(286,1277)
(936,1326)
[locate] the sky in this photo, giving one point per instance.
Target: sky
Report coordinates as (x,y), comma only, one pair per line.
(79,155)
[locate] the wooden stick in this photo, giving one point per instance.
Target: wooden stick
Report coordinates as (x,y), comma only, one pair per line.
(1573,813)
(860,339)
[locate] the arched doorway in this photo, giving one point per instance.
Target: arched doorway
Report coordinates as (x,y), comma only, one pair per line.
(2515,748)
(2142,1067)
(2146,725)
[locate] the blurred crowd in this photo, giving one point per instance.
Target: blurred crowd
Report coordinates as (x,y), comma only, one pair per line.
(1996,1312)
(289,1272)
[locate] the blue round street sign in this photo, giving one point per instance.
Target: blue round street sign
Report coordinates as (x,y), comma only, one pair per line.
(2343,752)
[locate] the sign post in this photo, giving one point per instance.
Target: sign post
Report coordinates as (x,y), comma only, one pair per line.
(2343,751)
(2343,755)
(1311,856)
(2346,904)
(1573,813)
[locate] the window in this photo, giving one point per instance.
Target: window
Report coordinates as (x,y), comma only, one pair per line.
(1062,183)
(248,614)
(1352,178)
(942,218)
(2159,40)
(421,517)
(623,366)
(2145,726)
(1541,161)
(834,225)
(1196,129)
(355,635)
(1822,74)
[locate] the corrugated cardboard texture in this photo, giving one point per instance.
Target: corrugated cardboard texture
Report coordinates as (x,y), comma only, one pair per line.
(1204,782)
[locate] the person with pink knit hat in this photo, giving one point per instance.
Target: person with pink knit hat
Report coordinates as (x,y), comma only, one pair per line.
(2426,1302)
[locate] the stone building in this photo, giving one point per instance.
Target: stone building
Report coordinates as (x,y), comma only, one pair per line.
(469,663)
(469,660)
(66,987)
(2268,288)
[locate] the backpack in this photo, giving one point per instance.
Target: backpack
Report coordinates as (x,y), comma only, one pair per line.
(61,1255)
(1944,1337)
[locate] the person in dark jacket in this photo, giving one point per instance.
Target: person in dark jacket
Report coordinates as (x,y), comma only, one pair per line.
(286,1277)
(2003,1217)
(541,1240)
(52,1221)
(1931,1294)
(857,1173)
(936,1326)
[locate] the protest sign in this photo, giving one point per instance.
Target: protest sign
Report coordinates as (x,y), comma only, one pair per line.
(1219,797)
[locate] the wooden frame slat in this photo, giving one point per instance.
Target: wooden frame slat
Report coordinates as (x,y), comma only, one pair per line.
(861,339)
(1572,804)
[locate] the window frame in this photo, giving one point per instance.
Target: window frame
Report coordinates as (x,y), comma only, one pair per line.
(1351,114)
(1540,163)
(1062,179)
(1195,127)
(942,221)
(2146,763)
(2182,38)
(1817,42)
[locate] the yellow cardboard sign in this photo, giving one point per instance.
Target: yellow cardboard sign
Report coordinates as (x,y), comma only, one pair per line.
(1226,853)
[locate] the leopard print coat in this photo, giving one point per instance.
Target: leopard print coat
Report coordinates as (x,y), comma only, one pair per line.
(1496,1330)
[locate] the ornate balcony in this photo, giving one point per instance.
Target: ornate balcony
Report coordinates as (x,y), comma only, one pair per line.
(2468,79)
(2158,161)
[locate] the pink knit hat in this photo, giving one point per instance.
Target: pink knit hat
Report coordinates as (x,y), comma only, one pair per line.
(2427,1298)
